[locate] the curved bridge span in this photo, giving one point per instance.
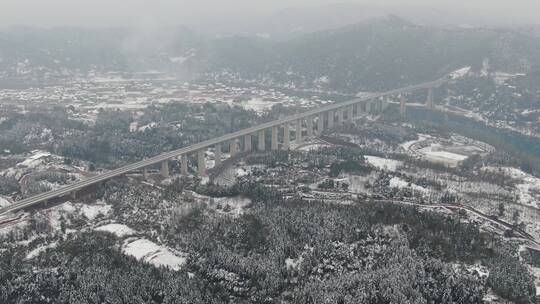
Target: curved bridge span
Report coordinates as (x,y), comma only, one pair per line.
(324,117)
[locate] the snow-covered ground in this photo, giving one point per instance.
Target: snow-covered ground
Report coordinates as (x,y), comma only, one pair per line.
(293,263)
(536,272)
(312,147)
(143,249)
(527,188)
(257,104)
(407,145)
(357,184)
(34,253)
(236,205)
(37,158)
(397,182)
(460,73)
(4,202)
(150,252)
(436,154)
(119,230)
(383,163)
(55,214)
(92,211)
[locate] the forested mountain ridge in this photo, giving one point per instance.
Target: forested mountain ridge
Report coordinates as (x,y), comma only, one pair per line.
(382,53)
(391,52)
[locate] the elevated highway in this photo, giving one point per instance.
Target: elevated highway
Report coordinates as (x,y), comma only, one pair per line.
(325,117)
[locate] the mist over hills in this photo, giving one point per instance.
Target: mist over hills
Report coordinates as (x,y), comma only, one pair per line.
(296,21)
(375,54)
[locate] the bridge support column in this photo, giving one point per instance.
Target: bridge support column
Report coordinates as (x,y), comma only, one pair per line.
(183,165)
(299,131)
(261,144)
(309,126)
(378,102)
(374,106)
(274,138)
(368,106)
(217,154)
(330,119)
(339,116)
(429,101)
(384,105)
(286,136)
(247,143)
(201,162)
(233,147)
(165,168)
(350,113)
(402,108)
(320,124)
(73,195)
(145,173)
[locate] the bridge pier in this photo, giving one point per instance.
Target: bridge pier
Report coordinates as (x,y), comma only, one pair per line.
(217,154)
(183,165)
(247,143)
(274,145)
(374,109)
(261,143)
(299,131)
(309,126)
(201,162)
(165,168)
(286,137)
(320,124)
(339,116)
(233,147)
(350,113)
(384,104)
(145,173)
(368,106)
(330,119)
(429,101)
(402,107)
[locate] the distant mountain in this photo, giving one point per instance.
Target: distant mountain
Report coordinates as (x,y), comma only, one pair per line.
(377,54)
(295,21)
(44,53)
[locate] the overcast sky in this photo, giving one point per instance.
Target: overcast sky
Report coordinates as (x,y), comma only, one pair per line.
(176,12)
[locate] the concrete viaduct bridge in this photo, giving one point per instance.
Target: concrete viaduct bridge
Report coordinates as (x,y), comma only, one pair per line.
(316,119)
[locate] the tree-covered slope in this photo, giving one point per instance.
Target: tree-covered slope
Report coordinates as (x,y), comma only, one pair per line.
(383,53)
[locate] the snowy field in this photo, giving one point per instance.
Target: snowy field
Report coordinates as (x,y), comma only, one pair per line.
(36,159)
(150,252)
(383,163)
(4,202)
(119,230)
(436,153)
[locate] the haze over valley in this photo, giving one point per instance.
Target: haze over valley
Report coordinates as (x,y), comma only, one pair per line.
(277,152)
